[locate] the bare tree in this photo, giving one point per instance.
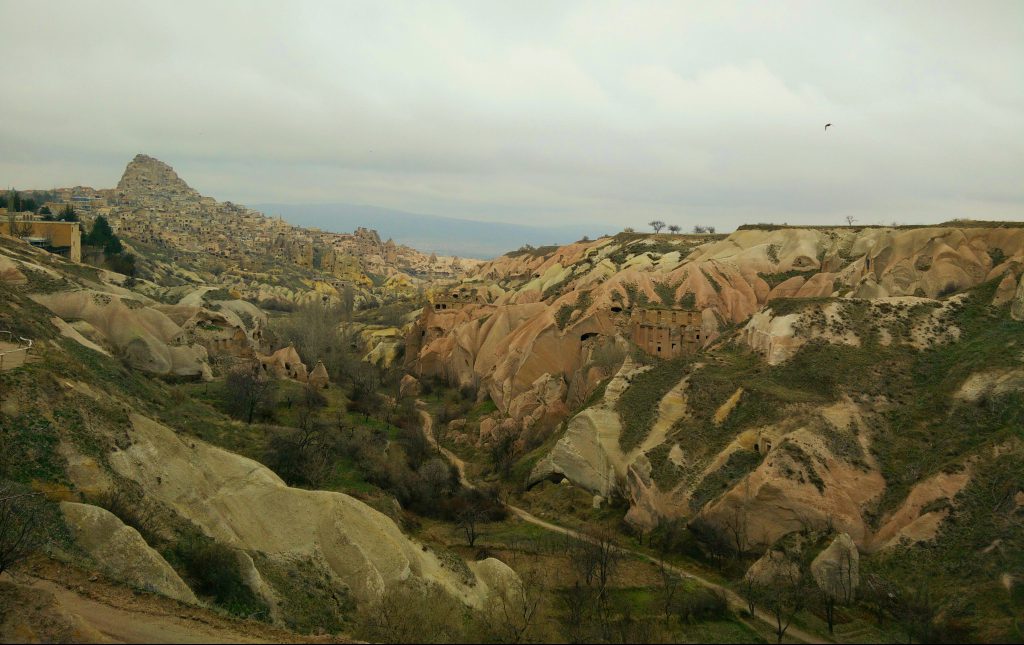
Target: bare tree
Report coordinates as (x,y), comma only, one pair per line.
(657,225)
(17,226)
(715,540)
(736,525)
(247,388)
(880,595)
(348,301)
(916,612)
(21,527)
(782,589)
(710,230)
(313,329)
(469,519)
(596,560)
(750,592)
(850,220)
(514,607)
(837,581)
(670,584)
(675,228)
(608,559)
(582,561)
(698,229)
(577,603)
(411,614)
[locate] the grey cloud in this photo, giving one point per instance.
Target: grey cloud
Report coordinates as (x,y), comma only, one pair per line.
(579,112)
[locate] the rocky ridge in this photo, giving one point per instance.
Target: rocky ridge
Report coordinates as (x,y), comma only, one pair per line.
(785,296)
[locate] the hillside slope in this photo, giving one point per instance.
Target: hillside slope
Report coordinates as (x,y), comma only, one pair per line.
(84,421)
(864,381)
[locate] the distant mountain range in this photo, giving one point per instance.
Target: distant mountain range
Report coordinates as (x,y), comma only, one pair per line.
(429,233)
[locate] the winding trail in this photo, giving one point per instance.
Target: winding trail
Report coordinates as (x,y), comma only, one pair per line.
(121,615)
(428,432)
(733,598)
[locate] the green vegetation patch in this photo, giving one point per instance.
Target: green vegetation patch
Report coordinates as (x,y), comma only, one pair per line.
(29,451)
(218,294)
(310,600)
(714,283)
(843,443)
(666,292)
(739,464)
(565,312)
(768,393)
(786,306)
(212,570)
(664,472)
(638,405)
(532,251)
(981,540)
(775,279)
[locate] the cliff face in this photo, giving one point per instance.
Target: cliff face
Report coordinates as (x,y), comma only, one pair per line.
(531,314)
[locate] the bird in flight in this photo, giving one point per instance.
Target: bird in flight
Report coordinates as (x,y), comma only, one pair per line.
(826,126)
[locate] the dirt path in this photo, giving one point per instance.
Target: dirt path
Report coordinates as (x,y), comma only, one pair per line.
(428,432)
(733,598)
(120,625)
(54,602)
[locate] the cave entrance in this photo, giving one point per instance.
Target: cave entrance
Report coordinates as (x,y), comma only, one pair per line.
(554,478)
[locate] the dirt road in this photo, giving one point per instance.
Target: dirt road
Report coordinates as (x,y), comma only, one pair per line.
(733,598)
(53,602)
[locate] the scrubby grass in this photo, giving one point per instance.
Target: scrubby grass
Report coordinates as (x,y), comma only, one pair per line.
(30,453)
(843,443)
(565,312)
(532,251)
(482,409)
(714,283)
(775,279)
(638,405)
(666,292)
(763,401)
(786,306)
(933,416)
(310,600)
(807,472)
(738,465)
(982,540)
(664,472)
(212,570)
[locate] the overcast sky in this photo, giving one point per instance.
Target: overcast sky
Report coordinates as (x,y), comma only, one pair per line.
(534,113)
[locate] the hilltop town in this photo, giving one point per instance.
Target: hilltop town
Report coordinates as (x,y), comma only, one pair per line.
(154,209)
